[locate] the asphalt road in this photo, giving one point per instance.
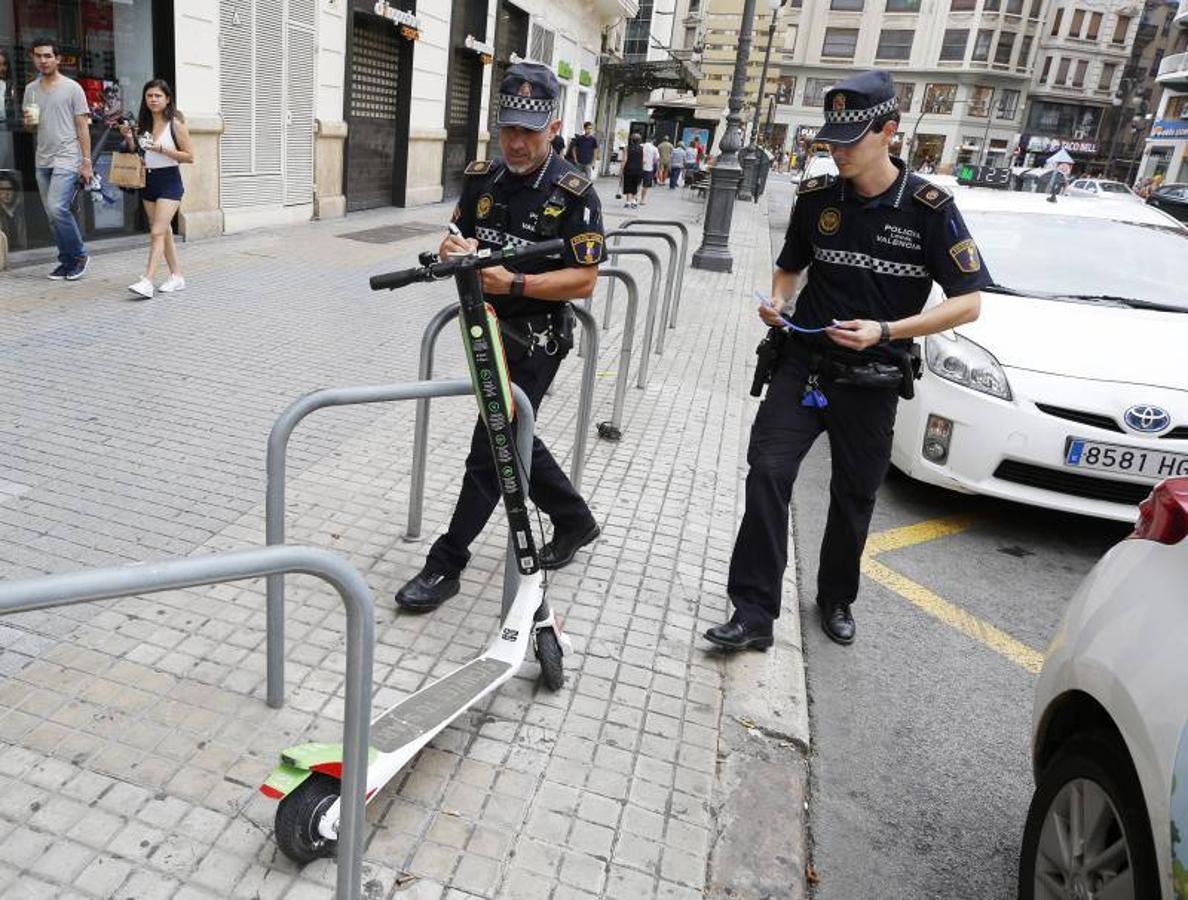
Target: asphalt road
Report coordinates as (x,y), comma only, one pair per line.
(920,773)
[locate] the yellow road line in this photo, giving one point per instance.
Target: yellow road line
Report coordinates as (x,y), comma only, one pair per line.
(936,606)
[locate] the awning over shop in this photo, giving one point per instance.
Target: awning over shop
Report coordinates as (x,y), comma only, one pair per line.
(632,77)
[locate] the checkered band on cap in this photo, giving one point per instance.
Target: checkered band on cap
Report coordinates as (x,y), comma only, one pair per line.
(849,116)
(527,104)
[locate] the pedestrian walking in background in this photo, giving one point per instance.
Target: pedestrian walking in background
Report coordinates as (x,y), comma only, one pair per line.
(876,237)
(651,159)
(664,149)
(692,161)
(165,140)
(676,165)
(56,108)
(633,172)
(586,150)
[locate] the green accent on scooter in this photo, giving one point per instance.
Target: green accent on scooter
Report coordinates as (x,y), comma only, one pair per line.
(297,763)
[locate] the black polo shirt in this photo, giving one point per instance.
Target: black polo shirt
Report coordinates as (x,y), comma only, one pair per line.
(876,258)
(499,208)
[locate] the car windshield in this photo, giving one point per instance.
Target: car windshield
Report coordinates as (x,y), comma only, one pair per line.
(1072,256)
(1114,187)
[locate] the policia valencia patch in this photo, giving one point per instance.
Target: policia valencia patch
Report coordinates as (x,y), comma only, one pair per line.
(965,254)
(587,247)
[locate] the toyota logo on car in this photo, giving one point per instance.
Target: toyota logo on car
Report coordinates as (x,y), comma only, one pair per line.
(1146,419)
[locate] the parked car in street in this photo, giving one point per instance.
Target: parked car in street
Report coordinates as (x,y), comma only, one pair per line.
(1100,187)
(1109,816)
(1070,390)
(1172,199)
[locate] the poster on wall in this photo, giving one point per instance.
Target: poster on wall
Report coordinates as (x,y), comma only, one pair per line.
(701,135)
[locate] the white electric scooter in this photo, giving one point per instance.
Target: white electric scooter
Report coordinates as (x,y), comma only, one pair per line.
(308,778)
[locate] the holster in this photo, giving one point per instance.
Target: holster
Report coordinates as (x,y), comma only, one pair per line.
(551,334)
(768,355)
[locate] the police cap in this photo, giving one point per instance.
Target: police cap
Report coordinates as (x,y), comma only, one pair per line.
(528,96)
(852,106)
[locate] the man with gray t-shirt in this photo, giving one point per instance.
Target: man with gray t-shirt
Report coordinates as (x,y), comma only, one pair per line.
(56,107)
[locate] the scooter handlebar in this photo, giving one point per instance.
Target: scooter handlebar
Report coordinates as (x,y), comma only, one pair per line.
(484,259)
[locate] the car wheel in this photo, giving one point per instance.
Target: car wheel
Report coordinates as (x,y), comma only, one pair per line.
(1087,834)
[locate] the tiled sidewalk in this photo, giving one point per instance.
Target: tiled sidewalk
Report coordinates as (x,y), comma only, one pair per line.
(133,734)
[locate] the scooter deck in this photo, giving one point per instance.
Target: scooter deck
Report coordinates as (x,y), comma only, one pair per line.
(438,703)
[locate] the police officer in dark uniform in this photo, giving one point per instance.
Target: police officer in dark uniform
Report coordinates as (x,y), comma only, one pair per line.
(876,237)
(530,195)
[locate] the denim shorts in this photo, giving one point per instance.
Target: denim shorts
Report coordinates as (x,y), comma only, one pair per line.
(162,184)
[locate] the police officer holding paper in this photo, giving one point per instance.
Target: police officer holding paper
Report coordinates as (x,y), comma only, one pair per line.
(876,237)
(530,195)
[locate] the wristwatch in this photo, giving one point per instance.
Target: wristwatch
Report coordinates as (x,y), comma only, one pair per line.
(884,333)
(517,285)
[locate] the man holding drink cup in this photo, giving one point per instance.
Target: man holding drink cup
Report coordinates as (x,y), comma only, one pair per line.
(56,108)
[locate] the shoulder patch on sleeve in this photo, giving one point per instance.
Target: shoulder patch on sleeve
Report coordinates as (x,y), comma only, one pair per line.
(815,184)
(587,247)
(478,167)
(574,183)
(932,196)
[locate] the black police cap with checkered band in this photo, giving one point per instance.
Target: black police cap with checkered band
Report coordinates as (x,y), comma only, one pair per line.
(853,105)
(528,96)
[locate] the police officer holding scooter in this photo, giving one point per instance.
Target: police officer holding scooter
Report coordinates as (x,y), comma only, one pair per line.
(877,237)
(530,195)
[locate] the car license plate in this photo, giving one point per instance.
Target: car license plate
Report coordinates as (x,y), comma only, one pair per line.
(1133,461)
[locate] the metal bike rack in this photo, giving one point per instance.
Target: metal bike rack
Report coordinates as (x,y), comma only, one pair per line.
(274,497)
(126,581)
(672,269)
(613,430)
(416,490)
(680,282)
(649,314)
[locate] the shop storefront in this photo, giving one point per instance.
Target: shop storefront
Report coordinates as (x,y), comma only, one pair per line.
(111,48)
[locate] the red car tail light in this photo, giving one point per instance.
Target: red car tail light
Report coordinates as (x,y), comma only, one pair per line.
(1163,516)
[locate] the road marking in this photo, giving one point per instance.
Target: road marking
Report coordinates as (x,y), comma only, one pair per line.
(936,606)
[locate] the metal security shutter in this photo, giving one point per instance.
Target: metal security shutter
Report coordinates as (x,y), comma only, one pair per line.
(301,56)
(511,36)
(235,86)
(372,112)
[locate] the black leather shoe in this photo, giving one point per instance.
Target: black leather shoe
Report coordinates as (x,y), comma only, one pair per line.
(428,590)
(561,550)
(838,624)
(740,636)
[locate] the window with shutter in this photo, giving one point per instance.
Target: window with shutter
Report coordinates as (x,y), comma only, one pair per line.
(301,56)
(540,44)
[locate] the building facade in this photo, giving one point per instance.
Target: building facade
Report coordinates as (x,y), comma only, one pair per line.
(961,67)
(298,109)
(1167,140)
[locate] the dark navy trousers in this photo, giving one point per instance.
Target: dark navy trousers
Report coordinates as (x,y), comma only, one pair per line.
(859,422)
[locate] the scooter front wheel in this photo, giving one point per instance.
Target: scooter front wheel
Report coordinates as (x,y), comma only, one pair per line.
(548,653)
(297,819)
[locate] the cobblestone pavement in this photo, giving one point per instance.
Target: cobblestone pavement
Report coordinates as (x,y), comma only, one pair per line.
(133,733)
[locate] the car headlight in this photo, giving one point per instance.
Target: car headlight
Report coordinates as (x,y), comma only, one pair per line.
(960,360)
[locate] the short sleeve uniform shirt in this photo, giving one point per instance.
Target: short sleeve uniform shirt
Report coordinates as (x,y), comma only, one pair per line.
(876,258)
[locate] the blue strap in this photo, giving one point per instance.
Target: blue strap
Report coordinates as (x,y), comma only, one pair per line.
(789,324)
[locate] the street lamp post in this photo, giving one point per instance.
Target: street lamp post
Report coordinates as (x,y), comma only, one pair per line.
(750,163)
(714,252)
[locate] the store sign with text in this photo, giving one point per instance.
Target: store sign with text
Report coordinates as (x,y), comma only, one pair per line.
(1039,144)
(1169,130)
(409,25)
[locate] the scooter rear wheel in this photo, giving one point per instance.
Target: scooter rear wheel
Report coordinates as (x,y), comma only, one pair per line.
(297,819)
(548,653)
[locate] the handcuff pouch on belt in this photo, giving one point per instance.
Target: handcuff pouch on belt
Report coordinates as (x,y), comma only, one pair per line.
(550,334)
(899,372)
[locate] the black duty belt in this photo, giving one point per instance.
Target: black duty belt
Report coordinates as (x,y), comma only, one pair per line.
(857,370)
(548,333)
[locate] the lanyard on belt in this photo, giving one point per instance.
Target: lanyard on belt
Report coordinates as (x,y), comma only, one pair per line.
(812,392)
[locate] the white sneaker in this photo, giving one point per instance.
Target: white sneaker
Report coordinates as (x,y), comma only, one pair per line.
(172,283)
(144,288)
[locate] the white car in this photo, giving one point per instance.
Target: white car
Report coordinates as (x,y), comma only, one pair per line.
(1070,391)
(1109,817)
(1100,187)
(817,164)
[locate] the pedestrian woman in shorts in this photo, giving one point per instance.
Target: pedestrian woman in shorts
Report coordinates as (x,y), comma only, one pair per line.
(632,172)
(163,137)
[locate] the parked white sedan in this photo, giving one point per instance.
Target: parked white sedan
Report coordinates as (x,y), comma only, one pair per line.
(1100,187)
(1070,391)
(1109,817)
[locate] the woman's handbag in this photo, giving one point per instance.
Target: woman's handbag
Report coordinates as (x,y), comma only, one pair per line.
(127,170)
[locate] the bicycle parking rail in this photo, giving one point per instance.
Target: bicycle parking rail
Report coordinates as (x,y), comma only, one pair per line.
(680,282)
(116,582)
(274,497)
(613,430)
(416,490)
(650,313)
(616,236)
